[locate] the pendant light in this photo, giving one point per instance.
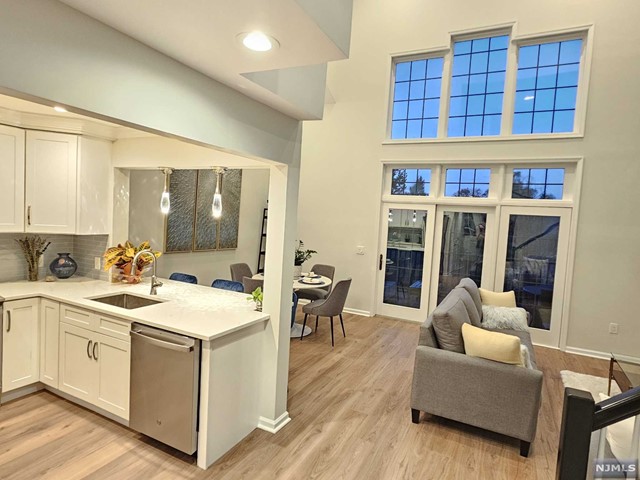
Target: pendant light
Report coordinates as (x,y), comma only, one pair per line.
(216,206)
(165,201)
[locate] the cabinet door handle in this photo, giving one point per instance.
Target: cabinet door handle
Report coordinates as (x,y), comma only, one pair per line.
(95,355)
(8,321)
(29,215)
(89,349)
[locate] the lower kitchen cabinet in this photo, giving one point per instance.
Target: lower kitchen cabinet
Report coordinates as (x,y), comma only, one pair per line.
(49,342)
(20,344)
(95,368)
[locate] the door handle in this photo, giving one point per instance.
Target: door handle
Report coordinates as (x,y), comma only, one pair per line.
(380,264)
(8,321)
(89,349)
(29,215)
(95,355)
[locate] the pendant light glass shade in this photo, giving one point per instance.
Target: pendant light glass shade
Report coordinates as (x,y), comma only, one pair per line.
(165,200)
(216,206)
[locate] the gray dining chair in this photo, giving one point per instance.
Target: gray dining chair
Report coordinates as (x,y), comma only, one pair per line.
(319,293)
(240,270)
(331,306)
(250,284)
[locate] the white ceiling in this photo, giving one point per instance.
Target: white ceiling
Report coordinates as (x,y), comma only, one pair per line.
(202,34)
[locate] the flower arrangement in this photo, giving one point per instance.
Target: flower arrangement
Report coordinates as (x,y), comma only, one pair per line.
(257,296)
(121,257)
(302,255)
(33,247)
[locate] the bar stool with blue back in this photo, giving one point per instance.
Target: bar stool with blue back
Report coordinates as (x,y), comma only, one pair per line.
(227,285)
(184,277)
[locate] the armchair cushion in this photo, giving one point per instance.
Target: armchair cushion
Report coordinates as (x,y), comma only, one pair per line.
(495,346)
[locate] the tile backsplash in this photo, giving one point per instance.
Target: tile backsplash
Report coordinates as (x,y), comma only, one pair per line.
(83,249)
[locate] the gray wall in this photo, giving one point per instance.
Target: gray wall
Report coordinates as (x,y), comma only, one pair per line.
(146,222)
(343,152)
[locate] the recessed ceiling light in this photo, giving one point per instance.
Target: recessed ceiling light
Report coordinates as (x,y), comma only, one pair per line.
(258,41)
(60,109)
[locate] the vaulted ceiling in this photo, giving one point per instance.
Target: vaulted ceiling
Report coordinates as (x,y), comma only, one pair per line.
(203,34)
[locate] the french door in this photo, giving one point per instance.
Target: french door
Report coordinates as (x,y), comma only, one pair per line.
(404,262)
(532,258)
(464,246)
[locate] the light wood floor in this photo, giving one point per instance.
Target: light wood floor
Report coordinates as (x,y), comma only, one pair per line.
(351,420)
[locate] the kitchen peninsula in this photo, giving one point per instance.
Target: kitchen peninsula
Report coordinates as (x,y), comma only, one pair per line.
(46,318)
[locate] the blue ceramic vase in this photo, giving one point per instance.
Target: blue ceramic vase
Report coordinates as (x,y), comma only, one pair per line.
(63,266)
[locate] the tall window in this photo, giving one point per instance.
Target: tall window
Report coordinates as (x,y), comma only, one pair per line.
(546,87)
(477,86)
(416,98)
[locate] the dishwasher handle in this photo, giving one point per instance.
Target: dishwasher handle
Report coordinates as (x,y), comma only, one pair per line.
(162,343)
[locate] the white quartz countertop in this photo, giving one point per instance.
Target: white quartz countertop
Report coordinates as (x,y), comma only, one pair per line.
(193,310)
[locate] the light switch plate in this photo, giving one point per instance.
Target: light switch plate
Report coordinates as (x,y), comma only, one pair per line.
(360,250)
(613,328)
(97,263)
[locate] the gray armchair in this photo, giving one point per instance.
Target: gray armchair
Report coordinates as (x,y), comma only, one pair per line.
(250,284)
(483,393)
(319,293)
(240,270)
(331,306)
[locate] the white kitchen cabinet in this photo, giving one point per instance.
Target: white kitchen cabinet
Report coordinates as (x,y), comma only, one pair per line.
(49,342)
(94,196)
(78,368)
(12,179)
(114,359)
(95,358)
(50,182)
(20,344)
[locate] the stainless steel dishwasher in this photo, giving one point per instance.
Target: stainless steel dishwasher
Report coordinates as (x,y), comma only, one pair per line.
(165,373)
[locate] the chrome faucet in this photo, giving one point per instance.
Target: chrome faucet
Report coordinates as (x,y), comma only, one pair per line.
(154,279)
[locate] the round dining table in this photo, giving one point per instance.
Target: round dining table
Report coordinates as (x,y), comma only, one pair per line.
(301,284)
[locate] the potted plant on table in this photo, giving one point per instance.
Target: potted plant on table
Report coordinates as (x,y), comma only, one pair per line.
(120,258)
(301,256)
(257,296)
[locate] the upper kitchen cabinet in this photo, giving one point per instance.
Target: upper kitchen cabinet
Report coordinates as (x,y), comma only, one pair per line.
(51,191)
(66,184)
(94,171)
(12,179)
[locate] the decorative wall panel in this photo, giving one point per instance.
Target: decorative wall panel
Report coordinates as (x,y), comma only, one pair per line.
(181,218)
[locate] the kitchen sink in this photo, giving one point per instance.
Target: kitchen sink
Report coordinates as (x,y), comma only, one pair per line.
(125,300)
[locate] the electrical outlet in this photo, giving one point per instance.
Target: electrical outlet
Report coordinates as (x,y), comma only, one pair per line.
(360,250)
(41,262)
(97,263)
(613,328)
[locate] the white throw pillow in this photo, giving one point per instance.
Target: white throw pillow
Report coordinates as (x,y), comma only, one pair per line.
(620,436)
(525,357)
(510,318)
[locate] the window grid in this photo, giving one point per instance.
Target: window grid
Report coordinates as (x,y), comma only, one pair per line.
(521,115)
(496,91)
(411,181)
(416,110)
(467,182)
(538,183)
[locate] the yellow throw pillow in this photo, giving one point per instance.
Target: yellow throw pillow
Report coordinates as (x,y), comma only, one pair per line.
(498,299)
(495,346)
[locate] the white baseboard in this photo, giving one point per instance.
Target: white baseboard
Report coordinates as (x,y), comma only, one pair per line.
(597,354)
(274,426)
(355,311)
